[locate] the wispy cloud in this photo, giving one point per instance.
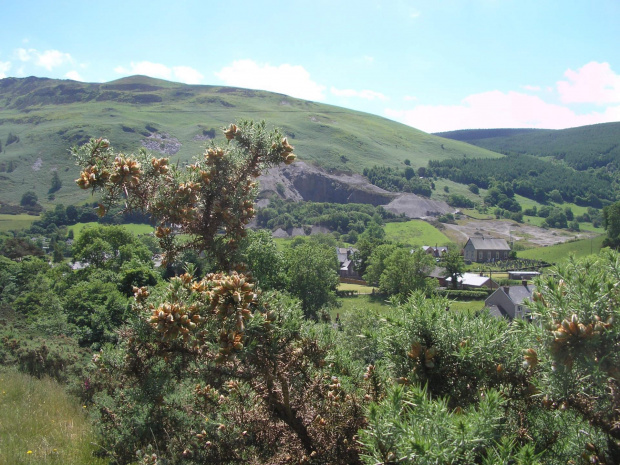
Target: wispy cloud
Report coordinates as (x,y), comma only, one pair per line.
(414,14)
(532,88)
(410,98)
(592,83)
(74,75)
(187,75)
(4,68)
(293,80)
(48,59)
(497,109)
(364,94)
(183,74)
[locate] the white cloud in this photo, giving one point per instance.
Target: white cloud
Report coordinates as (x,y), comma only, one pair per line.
(288,79)
(4,68)
(532,88)
(23,54)
(48,59)
(365,94)
(187,75)
(410,98)
(414,14)
(592,83)
(52,58)
(74,75)
(497,109)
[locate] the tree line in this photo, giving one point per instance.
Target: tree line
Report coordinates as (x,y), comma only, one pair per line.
(530,177)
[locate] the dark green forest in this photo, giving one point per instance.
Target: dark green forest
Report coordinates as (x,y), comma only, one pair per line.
(531,177)
(594,146)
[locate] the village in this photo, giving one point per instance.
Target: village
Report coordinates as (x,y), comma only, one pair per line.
(508,300)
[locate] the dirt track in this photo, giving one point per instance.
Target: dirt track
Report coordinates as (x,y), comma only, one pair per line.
(511,230)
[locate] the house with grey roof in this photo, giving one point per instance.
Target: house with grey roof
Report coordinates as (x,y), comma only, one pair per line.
(436,252)
(510,301)
(345,259)
(485,249)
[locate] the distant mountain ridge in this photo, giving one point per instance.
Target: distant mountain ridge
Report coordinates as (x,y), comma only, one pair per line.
(583,147)
(40,119)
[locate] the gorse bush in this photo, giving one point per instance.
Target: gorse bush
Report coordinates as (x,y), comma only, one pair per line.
(209,369)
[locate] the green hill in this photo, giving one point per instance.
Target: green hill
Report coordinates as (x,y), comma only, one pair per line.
(40,119)
(584,147)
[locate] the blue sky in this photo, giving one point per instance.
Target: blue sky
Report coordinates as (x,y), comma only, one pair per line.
(435,65)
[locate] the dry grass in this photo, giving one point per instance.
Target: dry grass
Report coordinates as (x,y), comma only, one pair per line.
(41,424)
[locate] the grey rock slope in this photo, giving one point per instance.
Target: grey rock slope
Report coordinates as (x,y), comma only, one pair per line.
(300,181)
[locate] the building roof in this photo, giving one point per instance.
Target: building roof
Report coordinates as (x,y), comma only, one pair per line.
(471,279)
(438,272)
(440,250)
(519,293)
(497,311)
(482,243)
(344,253)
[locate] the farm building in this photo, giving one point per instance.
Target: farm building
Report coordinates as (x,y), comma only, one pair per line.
(522,274)
(345,259)
(436,252)
(473,281)
(481,250)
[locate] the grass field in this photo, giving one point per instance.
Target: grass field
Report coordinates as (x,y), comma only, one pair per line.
(137,229)
(355,287)
(360,303)
(559,252)
(41,424)
(477,215)
(470,306)
(10,222)
(415,233)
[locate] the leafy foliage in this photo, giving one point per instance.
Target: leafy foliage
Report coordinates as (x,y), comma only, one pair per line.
(583,188)
(213,194)
(393,179)
(312,275)
(343,218)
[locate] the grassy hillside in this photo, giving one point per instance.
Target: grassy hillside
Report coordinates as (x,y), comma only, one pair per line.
(416,233)
(559,252)
(583,147)
(41,424)
(40,119)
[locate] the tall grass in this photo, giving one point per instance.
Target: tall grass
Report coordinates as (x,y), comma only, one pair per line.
(415,233)
(41,424)
(559,252)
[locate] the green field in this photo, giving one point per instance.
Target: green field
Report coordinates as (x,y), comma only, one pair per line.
(137,229)
(41,424)
(415,233)
(360,303)
(15,222)
(557,253)
(355,287)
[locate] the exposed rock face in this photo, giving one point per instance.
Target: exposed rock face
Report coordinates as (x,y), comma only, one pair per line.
(300,181)
(414,206)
